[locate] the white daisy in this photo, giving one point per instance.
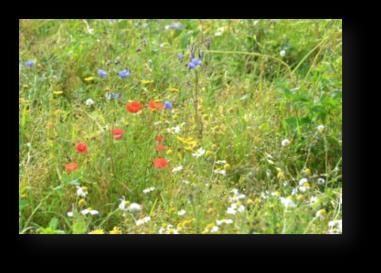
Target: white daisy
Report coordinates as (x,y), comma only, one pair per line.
(321,181)
(215,229)
(147,190)
(82,192)
(134,207)
(181,212)
(200,152)
(221,162)
(224,221)
(285,142)
(142,221)
(320,128)
(70,214)
(303,181)
(222,172)
(231,210)
(89,211)
(335,226)
(287,202)
(282,53)
(122,204)
(89,102)
(177,169)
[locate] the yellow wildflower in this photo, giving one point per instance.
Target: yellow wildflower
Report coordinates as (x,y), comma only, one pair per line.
(300,197)
(58,92)
(227,166)
(97,231)
(89,79)
(307,171)
(82,202)
(172,89)
(146,81)
(189,142)
(116,230)
(250,202)
(171,210)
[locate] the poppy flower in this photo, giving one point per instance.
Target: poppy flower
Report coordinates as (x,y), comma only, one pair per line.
(155,105)
(159,138)
(117,133)
(160,163)
(70,167)
(161,148)
(81,147)
(133,106)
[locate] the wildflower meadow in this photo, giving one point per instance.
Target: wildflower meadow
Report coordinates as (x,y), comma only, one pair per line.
(213,126)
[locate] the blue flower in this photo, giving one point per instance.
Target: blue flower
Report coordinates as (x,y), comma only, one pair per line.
(102,73)
(180,56)
(168,105)
(29,63)
(124,73)
(191,65)
(194,63)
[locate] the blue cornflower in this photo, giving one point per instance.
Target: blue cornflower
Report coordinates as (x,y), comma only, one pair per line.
(124,73)
(180,56)
(194,63)
(29,63)
(191,65)
(102,73)
(168,105)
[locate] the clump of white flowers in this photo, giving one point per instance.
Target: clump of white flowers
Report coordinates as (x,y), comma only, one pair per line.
(181,212)
(224,221)
(219,31)
(147,190)
(287,202)
(177,169)
(174,130)
(142,221)
(218,171)
(89,211)
(235,204)
(200,152)
(169,229)
(335,226)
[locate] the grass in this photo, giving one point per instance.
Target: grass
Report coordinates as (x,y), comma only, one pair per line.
(240,104)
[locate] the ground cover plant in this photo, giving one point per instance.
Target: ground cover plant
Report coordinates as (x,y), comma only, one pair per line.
(180,126)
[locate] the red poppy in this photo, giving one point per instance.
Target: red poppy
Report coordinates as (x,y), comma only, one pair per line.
(81,147)
(133,106)
(160,163)
(117,133)
(161,148)
(155,105)
(70,167)
(159,138)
